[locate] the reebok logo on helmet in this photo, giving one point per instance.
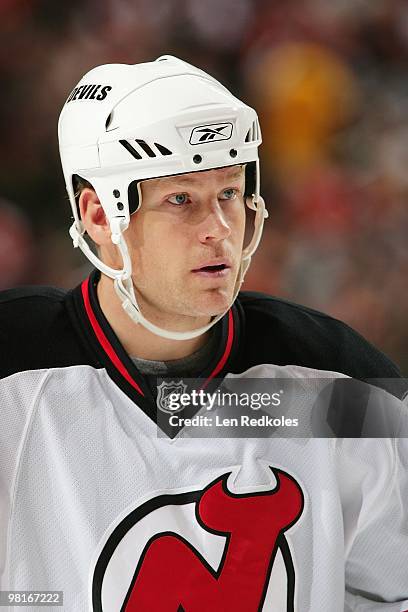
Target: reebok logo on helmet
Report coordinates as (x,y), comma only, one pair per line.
(210,133)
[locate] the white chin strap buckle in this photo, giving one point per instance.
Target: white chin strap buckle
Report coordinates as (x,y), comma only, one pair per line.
(75,235)
(117,226)
(130,311)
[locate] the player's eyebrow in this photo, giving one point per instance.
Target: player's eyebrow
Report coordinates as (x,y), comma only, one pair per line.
(235,172)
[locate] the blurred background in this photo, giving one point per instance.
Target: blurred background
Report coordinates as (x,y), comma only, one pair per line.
(329,79)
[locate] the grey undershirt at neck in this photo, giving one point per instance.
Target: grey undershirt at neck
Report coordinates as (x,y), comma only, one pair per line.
(189,366)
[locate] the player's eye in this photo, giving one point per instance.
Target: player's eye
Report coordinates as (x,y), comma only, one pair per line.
(178,199)
(229,194)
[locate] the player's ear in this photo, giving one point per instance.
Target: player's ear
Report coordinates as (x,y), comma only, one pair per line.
(93,217)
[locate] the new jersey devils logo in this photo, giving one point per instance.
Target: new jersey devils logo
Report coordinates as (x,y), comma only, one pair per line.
(202,550)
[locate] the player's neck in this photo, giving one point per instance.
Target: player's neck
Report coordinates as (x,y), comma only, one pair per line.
(138,341)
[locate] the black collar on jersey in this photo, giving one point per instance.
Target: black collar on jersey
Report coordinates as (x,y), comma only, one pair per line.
(108,352)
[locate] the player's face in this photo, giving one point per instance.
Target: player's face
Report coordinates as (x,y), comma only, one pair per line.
(186,242)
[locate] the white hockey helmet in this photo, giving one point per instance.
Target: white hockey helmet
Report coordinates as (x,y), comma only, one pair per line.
(124,123)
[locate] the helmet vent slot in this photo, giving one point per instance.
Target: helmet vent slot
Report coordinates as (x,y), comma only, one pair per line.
(253,133)
(131,149)
(162,150)
(108,121)
(145,149)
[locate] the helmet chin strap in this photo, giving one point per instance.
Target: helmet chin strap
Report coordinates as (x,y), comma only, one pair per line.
(125,290)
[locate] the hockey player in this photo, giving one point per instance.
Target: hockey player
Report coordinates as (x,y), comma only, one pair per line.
(161,167)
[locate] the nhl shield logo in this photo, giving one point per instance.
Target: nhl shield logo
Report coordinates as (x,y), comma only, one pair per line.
(168,394)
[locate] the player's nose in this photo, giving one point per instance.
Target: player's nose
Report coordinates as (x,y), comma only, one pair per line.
(214,224)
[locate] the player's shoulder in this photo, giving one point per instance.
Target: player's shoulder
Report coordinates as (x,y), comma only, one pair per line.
(29,310)
(283,332)
(262,308)
(43,297)
(266,301)
(35,329)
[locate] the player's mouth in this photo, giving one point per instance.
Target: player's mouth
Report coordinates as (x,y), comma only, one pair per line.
(214,269)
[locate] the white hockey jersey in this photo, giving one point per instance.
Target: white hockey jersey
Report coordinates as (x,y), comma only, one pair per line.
(96,503)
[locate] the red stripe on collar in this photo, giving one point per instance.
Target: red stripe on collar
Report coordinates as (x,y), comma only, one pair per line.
(104,342)
(226,354)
